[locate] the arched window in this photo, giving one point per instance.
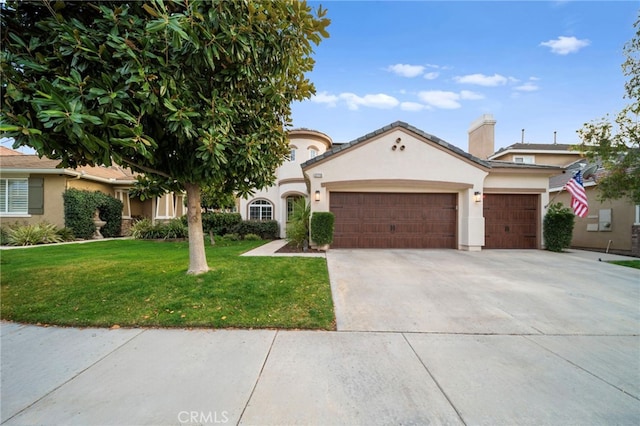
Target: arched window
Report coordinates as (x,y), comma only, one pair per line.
(313,151)
(260,210)
(292,152)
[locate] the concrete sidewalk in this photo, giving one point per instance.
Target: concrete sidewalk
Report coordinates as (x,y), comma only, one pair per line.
(59,376)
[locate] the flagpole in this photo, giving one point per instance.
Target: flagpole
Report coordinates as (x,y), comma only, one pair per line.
(554,197)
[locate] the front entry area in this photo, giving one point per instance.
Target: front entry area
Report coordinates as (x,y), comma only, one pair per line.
(394,220)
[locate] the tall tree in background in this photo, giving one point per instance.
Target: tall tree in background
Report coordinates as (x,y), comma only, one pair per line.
(617,145)
(191,93)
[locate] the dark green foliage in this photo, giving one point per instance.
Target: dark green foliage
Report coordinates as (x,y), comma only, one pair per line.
(298,226)
(4,236)
(66,234)
(145,230)
(322,228)
(558,227)
(220,223)
(79,208)
(266,229)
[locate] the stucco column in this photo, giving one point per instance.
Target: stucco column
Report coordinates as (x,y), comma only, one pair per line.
(471,220)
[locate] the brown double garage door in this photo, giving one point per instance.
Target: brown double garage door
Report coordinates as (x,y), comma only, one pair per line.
(428,220)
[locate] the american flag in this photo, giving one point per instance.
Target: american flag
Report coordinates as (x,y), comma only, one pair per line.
(579,203)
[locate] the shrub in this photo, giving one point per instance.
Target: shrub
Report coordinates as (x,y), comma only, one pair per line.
(266,229)
(220,223)
(298,225)
(4,236)
(232,237)
(66,234)
(175,228)
(558,227)
(322,228)
(145,230)
(79,207)
(252,237)
(28,235)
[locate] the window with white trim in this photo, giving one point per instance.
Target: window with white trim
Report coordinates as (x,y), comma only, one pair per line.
(313,153)
(123,195)
(260,210)
(524,159)
(292,154)
(14,196)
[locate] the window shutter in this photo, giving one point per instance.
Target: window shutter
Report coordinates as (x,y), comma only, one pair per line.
(36,195)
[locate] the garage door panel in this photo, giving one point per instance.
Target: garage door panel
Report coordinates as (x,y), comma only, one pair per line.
(511,221)
(394,220)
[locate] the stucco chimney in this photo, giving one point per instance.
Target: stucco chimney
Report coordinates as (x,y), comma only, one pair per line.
(482,137)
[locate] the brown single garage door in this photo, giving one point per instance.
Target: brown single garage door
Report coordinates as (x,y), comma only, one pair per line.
(511,221)
(385,220)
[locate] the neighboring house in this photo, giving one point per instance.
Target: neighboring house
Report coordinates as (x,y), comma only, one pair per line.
(399,187)
(31,190)
(276,202)
(613,225)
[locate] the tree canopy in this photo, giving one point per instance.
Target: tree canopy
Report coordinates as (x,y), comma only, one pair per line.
(616,145)
(191,93)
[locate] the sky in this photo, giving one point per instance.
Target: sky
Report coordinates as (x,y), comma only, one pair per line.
(439,65)
(542,66)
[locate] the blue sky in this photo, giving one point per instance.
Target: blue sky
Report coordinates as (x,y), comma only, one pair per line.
(541,66)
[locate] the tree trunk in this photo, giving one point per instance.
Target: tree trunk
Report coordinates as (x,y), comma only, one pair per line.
(197,257)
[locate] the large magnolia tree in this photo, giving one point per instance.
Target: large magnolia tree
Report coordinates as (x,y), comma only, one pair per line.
(191,93)
(616,145)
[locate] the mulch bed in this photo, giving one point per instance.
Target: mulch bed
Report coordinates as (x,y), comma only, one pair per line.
(292,248)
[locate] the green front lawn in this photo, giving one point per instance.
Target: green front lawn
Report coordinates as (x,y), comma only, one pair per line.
(630,263)
(133,283)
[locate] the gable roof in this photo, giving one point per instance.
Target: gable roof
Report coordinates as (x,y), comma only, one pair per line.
(398,124)
(533,148)
(489,164)
(33,164)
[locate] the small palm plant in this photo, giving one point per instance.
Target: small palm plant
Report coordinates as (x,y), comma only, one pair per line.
(298,226)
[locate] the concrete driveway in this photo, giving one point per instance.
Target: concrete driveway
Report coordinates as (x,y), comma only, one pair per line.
(425,337)
(521,292)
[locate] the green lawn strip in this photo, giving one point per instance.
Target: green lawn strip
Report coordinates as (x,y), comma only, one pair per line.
(144,283)
(630,263)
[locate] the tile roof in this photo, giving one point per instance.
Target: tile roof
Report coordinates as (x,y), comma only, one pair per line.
(536,147)
(454,149)
(398,124)
(45,165)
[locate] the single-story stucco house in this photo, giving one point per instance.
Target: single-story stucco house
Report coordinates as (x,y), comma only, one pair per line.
(400,187)
(32,188)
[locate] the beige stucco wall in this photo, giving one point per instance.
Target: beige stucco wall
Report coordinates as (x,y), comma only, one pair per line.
(622,219)
(415,165)
(54,187)
(87,185)
(289,178)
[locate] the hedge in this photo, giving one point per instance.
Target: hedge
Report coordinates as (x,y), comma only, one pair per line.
(220,223)
(558,227)
(322,228)
(266,229)
(79,208)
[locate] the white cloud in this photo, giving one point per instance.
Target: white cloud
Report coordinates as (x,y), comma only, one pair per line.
(379,100)
(431,75)
(483,80)
(565,45)
(468,94)
(440,99)
(324,98)
(413,106)
(406,70)
(527,87)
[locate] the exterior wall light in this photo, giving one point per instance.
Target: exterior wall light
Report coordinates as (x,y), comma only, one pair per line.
(477,196)
(317,196)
